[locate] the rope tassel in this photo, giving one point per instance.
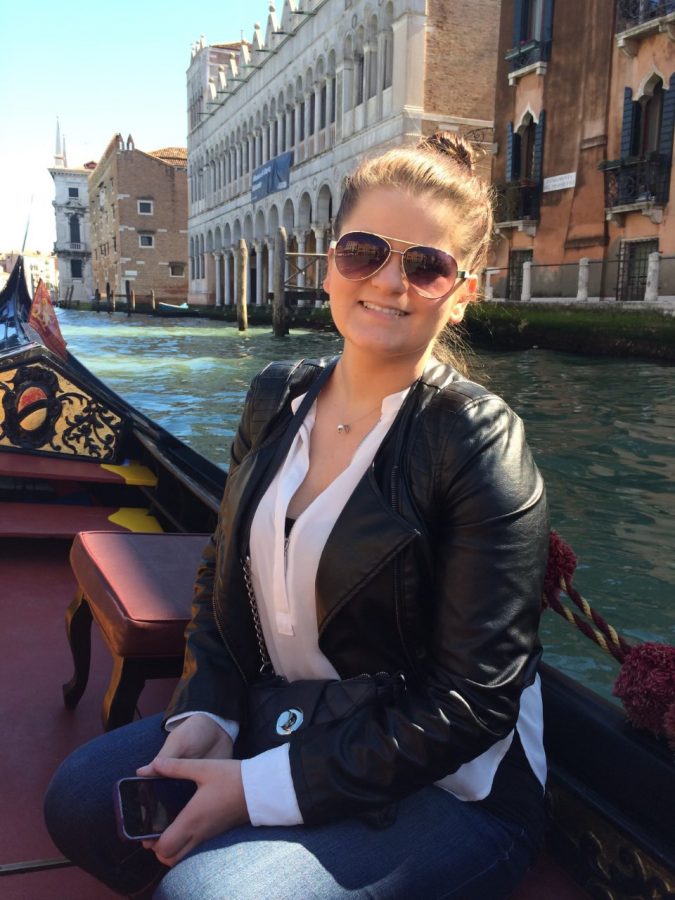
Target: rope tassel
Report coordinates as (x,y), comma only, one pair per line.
(646,681)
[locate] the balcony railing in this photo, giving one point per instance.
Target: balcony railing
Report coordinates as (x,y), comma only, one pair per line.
(527,53)
(518,201)
(631,13)
(636,181)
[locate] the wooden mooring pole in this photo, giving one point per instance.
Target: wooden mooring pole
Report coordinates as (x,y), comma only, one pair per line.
(242,262)
(279,318)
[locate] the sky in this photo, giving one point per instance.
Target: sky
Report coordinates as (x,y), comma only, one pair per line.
(100,69)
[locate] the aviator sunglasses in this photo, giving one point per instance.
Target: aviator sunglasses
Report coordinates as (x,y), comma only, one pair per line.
(431,272)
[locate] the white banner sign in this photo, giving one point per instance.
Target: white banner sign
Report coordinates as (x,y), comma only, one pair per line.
(560,182)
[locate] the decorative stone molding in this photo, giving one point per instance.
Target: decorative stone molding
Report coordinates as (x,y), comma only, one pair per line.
(617,214)
(537,68)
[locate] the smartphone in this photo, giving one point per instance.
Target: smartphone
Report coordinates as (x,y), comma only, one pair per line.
(144,807)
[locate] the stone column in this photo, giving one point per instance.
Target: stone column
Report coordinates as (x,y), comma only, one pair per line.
(235,260)
(582,286)
(228,289)
(652,286)
(489,290)
(526,291)
(266,143)
(219,296)
(258,273)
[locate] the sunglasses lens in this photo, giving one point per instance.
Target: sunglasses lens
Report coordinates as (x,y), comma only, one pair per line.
(359,255)
(430,271)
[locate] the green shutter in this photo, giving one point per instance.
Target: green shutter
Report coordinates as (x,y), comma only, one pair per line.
(667,121)
(538,155)
(628,123)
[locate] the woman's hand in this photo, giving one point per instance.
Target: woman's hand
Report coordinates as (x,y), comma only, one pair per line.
(218,805)
(197,737)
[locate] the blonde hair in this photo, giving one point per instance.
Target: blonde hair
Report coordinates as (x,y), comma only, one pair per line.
(442,166)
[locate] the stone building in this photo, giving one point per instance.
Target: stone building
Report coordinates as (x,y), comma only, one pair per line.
(275,124)
(584,129)
(73,243)
(138,209)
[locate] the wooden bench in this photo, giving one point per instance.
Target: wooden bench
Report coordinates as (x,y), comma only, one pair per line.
(138,589)
(65,520)
(58,468)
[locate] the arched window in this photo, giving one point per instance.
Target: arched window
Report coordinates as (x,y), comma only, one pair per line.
(358,77)
(648,117)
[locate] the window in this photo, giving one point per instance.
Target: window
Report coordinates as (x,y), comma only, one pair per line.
(177,269)
(146,240)
(515,282)
(532,33)
(647,122)
(74,229)
(73,193)
(633,264)
(145,207)
(76,268)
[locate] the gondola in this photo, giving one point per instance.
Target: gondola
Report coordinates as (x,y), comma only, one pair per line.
(80,469)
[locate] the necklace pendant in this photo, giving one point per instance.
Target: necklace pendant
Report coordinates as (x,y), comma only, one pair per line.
(343,428)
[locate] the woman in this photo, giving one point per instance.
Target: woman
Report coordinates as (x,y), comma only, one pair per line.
(393,522)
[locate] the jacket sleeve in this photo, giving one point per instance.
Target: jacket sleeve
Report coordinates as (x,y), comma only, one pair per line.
(211,681)
(483,504)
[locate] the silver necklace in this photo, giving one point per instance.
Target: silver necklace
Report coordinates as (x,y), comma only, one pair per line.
(345,427)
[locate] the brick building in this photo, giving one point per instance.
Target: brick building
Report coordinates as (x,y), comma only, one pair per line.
(584,117)
(138,212)
(275,124)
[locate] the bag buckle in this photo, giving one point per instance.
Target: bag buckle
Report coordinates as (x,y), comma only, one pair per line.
(289,721)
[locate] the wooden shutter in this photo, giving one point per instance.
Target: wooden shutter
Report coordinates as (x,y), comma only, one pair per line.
(510,154)
(538,155)
(628,123)
(547,28)
(667,121)
(518,9)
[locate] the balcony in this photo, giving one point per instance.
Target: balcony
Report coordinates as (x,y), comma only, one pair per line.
(636,19)
(636,185)
(528,56)
(518,205)
(70,248)
(632,13)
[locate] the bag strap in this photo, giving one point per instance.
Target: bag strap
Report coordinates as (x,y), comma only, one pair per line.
(280,454)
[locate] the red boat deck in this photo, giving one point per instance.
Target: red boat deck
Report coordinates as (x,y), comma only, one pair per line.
(37,587)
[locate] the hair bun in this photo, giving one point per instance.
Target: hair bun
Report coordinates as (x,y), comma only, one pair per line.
(451,145)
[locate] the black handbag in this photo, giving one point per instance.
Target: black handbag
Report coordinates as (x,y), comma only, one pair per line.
(277,708)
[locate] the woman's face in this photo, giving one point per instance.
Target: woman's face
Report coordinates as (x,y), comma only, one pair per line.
(383,314)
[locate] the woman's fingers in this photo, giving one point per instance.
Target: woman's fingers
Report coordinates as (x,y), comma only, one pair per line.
(218,805)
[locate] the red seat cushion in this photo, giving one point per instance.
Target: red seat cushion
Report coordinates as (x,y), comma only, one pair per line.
(139,587)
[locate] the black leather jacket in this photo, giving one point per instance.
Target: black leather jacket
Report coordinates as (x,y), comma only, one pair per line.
(434,569)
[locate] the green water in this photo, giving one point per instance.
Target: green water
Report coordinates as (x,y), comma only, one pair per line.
(602,431)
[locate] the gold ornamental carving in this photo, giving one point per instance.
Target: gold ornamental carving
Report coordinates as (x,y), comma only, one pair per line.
(42,410)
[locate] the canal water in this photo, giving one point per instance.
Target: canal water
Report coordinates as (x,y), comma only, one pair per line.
(602,432)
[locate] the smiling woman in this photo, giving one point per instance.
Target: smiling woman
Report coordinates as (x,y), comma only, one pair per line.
(382,515)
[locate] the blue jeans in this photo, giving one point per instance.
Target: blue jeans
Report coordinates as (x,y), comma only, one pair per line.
(439,847)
